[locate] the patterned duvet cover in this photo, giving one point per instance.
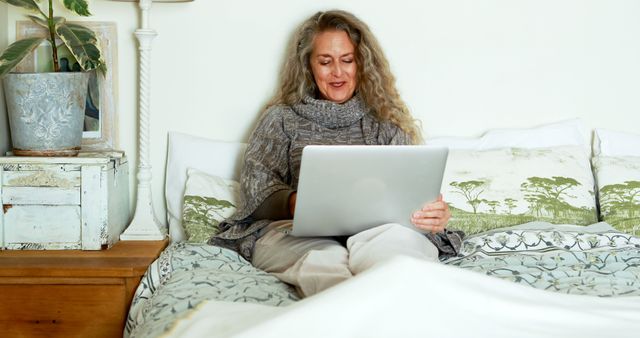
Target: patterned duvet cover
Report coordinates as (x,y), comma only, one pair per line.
(594,260)
(187,274)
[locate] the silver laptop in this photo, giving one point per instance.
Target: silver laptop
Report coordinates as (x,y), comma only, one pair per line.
(344,190)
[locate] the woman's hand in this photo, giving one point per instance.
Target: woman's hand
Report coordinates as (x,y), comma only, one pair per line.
(292,203)
(433,216)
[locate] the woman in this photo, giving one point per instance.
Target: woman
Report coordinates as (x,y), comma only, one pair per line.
(336,88)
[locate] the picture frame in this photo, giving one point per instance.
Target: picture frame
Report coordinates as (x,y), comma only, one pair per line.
(101,132)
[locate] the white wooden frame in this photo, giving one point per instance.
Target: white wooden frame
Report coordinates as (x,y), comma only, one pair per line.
(63,202)
(107,137)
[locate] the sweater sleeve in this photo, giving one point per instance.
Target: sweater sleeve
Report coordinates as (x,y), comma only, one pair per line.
(265,175)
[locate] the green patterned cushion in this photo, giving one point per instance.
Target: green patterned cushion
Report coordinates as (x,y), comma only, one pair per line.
(207,201)
(491,189)
(619,192)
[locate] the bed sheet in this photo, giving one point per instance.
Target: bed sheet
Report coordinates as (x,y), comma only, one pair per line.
(206,289)
(406,297)
(187,274)
(595,260)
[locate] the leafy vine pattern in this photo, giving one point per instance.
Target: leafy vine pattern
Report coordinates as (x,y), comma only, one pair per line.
(186,274)
(600,264)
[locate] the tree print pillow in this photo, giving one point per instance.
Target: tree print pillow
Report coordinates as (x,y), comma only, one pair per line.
(492,189)
(207,201)
(618,181)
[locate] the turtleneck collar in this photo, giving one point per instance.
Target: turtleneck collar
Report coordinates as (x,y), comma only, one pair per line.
(330,114)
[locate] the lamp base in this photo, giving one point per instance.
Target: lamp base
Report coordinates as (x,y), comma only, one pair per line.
(144,226)
(142,233)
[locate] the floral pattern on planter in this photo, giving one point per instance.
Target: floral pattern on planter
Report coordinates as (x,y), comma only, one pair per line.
(46,110)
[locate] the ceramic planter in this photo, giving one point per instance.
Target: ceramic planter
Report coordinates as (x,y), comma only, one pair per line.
(46,112)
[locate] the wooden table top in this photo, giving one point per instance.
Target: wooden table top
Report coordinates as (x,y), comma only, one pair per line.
(123,259)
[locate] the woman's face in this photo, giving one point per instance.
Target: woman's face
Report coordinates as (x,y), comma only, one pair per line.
(333,63)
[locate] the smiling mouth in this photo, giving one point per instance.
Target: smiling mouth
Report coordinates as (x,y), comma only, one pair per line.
(337,84)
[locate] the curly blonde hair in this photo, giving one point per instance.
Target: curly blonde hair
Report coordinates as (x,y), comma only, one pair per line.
(376,83)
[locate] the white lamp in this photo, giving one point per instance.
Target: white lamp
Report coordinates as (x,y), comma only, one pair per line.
(145,224)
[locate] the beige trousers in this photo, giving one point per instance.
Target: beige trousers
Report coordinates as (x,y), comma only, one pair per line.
(313,264)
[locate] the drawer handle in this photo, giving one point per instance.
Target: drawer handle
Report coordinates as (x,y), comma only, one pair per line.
(6,207)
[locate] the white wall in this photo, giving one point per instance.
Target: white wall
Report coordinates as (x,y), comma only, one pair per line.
(463,66)
(4,124)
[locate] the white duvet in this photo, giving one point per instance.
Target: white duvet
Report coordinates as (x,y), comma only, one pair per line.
(404,297)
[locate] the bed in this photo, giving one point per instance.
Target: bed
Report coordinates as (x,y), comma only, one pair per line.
(552,250)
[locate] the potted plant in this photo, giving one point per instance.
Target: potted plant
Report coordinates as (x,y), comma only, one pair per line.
(46,110)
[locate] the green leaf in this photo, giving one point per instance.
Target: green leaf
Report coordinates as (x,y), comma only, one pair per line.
(80,7)
(38,20)
(57,21)
(16,52)
(28,4)
(83,44)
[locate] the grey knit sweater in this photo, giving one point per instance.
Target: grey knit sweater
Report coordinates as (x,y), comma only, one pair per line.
(272,159)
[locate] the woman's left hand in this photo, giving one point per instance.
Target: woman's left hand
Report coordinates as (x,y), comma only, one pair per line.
(433,216)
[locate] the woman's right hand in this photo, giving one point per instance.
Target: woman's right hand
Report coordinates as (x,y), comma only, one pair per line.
(433,217)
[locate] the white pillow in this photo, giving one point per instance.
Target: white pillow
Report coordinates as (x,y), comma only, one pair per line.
(218,158)
(619,191)
(490,189)
(570,132)
(615,143)
(208,199)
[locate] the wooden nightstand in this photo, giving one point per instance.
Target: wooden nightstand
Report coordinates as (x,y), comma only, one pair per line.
(71,293)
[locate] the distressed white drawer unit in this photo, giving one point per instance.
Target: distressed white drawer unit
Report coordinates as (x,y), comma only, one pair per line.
(63,202)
